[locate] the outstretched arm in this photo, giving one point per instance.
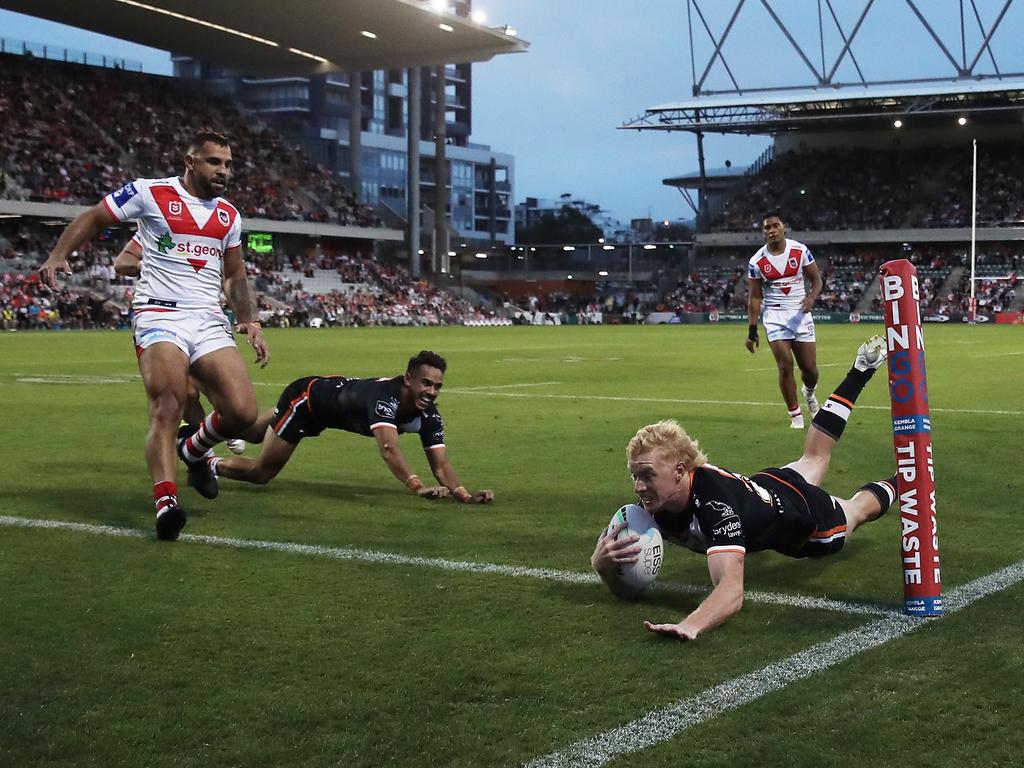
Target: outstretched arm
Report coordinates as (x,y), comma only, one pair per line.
(84,228)
(387,444)
(445,473)
(725,600)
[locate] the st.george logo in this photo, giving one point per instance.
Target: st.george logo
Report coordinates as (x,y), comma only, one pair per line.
(223,217)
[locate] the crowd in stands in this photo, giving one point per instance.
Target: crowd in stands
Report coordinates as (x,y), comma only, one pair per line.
(72,133)
(845,188)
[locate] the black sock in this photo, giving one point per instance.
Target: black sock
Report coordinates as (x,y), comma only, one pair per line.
(836,410)
(884,491)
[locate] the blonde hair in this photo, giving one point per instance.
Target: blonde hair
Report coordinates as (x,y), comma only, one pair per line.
(669,441)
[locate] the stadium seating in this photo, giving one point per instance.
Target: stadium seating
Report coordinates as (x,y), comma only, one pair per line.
(71,133)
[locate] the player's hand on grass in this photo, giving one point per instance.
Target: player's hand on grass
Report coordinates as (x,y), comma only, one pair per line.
(254,331)
(480,497)
(48,271)
(610,553)
(433,492)
(677,631)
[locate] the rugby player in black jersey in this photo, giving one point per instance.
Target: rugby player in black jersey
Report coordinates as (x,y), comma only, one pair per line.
(724,515)
(378,408)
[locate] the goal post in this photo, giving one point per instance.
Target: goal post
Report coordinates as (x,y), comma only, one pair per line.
(912,439)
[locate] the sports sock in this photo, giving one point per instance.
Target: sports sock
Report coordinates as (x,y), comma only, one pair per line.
(199,444)
(165,495)
(212,462)
(836,410)
(884,491)
(794,412)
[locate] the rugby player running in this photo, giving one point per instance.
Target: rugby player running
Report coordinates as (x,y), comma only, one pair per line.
(724,515)
(382,408)
(191,238)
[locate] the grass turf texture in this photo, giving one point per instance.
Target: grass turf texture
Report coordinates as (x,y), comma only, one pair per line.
(133,652)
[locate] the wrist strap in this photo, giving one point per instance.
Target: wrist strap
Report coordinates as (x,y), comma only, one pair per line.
(752,332)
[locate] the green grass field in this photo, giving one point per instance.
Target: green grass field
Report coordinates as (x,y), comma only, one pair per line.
(124,651)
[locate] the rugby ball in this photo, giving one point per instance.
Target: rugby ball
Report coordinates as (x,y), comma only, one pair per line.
(641,574)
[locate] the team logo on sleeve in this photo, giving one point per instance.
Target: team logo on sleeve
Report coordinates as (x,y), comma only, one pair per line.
(124,194)
(223,217)
(728,525)
(387,409)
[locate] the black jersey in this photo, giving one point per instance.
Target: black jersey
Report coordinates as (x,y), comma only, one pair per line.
(773,509)
(312,404)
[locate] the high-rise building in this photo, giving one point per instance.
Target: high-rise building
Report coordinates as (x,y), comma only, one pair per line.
(315,113)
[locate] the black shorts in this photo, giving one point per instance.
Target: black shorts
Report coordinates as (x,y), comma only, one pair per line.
(829,532)
(293,419)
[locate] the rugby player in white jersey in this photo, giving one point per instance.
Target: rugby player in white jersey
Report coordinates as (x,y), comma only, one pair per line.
(775,277)
(191,238)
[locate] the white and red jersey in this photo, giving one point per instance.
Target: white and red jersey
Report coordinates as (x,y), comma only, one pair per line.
(782,275)
(183,241)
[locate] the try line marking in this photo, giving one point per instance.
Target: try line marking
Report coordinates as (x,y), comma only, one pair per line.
(390,558)
(668,722)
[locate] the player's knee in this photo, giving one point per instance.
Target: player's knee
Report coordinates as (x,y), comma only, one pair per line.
(785,368)
(263,475)
(167,406)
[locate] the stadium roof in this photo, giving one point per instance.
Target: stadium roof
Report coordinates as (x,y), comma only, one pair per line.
(836,108)
(301,37)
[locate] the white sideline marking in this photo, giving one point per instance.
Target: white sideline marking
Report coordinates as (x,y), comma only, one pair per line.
(689,401)
(666,723)
(371,556)
(820,365)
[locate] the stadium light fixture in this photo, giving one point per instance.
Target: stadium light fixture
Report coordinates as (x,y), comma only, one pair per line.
(367,33)
(481,255)
(803,191)
(477,16)
(603,273)
(312,56)
(420,252)
(897,123)
(439,5)
(452,253)
(446,27)
(650,246)
(533,250)
(568,277)
(568,247)
(510,31)
(600,239)
(961,121)
(200,22)
(607,247)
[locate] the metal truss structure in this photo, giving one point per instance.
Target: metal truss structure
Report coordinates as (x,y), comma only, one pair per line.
(975,80)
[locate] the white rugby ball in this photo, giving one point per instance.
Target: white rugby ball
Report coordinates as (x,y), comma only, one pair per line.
(641,574)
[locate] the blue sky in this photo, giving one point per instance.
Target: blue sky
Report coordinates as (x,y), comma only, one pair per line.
(593,64)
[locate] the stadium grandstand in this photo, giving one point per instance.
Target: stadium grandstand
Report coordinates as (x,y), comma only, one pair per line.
(863,170)
(76,125)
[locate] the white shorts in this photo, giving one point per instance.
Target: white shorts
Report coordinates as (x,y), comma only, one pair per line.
(791,324)
(194,332)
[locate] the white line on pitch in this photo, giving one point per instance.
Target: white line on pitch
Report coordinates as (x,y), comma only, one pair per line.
(666,723)
(371,556)
(820,365)
(689,401)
